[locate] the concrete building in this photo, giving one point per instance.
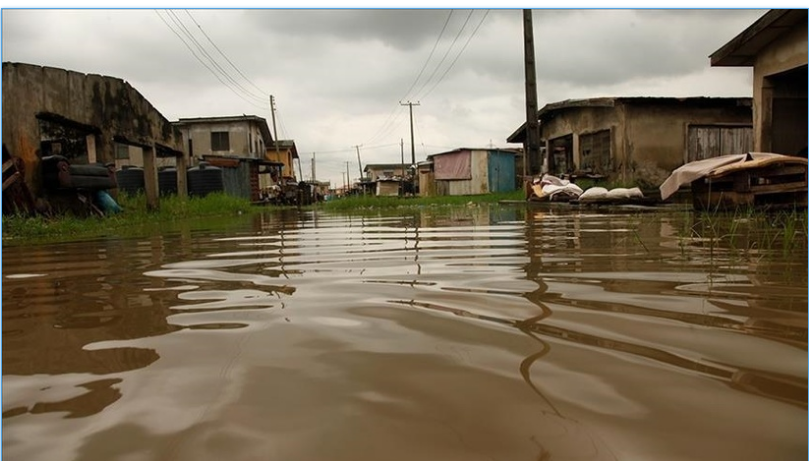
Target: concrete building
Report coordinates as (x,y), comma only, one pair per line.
(83,117)
(775,46)
(243,136)
(639,138)
(284,152)
(468,171)
(376,171)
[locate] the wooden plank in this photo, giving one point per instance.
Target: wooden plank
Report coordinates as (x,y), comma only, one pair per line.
(8,164)
(779,188)
(11,179)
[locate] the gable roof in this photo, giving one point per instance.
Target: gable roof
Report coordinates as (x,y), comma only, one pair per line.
(741,51)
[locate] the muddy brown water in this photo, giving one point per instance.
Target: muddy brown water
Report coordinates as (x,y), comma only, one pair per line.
(468,333)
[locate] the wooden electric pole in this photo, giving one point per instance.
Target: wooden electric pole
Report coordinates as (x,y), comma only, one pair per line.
(359,161)
(531,160)
(412,143)
(274,132)
(402,176)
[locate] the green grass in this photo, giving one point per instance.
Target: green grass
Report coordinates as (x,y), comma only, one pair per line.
(746,232)
(137,220)
(134,220)
(373,202)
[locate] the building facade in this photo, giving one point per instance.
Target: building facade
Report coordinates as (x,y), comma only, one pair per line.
(243,136)
(468,171)
(635,139)
(775,47)
(284,152)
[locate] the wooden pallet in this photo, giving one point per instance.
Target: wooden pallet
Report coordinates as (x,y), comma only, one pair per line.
(769,183)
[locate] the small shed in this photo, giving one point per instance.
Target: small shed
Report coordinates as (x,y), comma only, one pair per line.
(388,187)
(241,175)
(469,171)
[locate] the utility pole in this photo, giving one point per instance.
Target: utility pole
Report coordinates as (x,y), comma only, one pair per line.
(531,161)
(274,132)
(412,142)
(300,168)
(313,167)
(348,176)
(401,177)
(359,161)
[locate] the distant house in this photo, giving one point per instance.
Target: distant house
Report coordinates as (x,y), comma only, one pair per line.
(638,138)
(468,171)
(387,179)
(285,152)
(243,136)
(775,46)
(375,171)
(237,144)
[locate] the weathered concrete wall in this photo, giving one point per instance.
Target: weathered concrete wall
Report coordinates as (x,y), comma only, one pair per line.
(242,136)
(648,138)
(583,120)
(107,106)
(785,53)
(658,134)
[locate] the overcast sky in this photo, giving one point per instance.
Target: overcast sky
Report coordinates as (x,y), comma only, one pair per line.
(339,76)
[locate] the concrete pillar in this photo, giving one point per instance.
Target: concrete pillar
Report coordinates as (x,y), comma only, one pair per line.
(150,177)
(762,138)
(92,155)
(182,177)
(576,154)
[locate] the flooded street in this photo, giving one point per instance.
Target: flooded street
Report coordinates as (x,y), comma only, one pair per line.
(469,333)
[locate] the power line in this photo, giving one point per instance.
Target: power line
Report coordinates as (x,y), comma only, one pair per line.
(223,54)
(387,125)
(446,53)
(210,58)
(459,54)
(351,149)
(203,62)
(424,67)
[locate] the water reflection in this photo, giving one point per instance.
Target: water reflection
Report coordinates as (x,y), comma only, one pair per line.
(467,332)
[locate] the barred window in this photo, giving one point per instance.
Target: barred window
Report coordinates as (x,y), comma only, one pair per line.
(220,140)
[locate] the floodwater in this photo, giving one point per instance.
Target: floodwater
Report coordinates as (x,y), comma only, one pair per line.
(469,333)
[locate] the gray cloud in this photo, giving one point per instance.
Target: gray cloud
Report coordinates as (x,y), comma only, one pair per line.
(338,75)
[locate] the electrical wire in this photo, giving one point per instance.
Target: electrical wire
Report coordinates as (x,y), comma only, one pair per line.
(203,62)
(424,67)
(446,53)
(223,54)
(458,56)
(387,126)
(210,58)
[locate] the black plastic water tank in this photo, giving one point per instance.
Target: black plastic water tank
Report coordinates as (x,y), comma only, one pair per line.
(204,179)
(167,180)
(130,179)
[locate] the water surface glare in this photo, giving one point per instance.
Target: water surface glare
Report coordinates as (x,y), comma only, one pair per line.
(470,333)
